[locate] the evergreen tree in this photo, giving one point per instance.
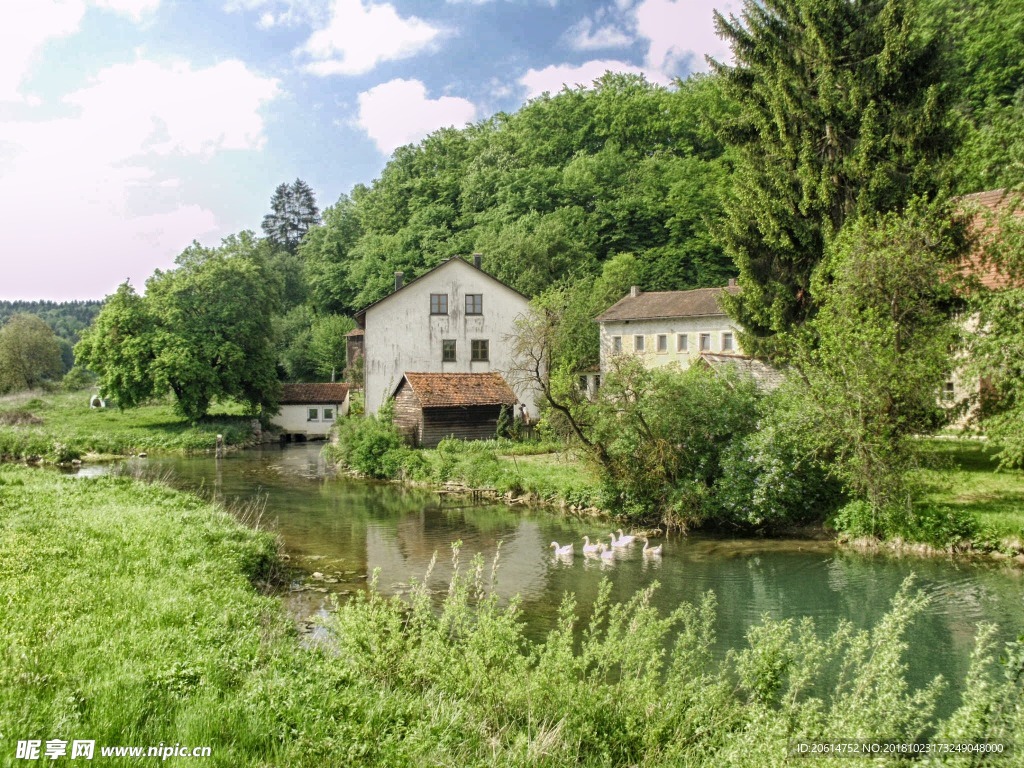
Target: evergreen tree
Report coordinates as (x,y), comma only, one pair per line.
(293,213)
(842,111)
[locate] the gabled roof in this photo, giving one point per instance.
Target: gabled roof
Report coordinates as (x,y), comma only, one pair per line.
(450,390)
(361,314)
(313,394)
(657,305)
(766,377)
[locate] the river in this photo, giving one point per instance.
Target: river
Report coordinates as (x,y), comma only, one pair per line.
(344,530)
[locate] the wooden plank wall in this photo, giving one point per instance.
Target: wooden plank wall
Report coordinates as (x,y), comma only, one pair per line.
(471,423)
(408,415)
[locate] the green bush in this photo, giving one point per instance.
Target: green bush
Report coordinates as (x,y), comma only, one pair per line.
(370,445)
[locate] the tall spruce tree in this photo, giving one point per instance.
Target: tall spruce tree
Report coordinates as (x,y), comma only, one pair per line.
(842,111)
(293,213)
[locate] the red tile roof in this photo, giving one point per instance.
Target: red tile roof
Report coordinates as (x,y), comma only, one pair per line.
(987,207)
(314,394)
(447,390)
(657,305)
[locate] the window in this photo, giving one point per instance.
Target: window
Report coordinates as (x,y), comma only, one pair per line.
(662,343)
(616,344)
(638,343)
(478,351)
(474,303)
(313,414)
(328,414)
(705,342)
(682,342)
(583,383)
(447,350)
(949,391)
(727,342)
(439,303)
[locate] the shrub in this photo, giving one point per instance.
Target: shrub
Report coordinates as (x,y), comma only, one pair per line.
(365,444)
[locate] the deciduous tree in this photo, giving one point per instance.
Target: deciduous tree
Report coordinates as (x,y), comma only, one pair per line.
(30,354)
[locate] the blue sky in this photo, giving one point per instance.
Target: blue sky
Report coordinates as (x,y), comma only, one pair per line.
(128,128)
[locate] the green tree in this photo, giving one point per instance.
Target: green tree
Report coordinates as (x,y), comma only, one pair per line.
(30,354)
(328,344)
(120,348)
(884,349)
(327,253)
(293,213)
(843,111)
(203,331)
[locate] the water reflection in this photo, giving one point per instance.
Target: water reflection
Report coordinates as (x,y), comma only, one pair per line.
(346,530)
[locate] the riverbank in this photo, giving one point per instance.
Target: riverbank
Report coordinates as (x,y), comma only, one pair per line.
(133,618)
(965,505)
(61,427)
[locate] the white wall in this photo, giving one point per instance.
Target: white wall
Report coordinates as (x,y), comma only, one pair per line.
(294,419)
(716,325)
(402,335)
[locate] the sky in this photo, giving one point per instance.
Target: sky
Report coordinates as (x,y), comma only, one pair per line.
(130,128)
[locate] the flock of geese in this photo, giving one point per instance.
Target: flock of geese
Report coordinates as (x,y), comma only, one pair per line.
(607,552)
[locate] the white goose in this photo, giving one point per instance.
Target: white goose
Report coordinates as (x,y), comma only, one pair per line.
(650,551)
(562,551)
(589,548)
(607,553)
(622,541)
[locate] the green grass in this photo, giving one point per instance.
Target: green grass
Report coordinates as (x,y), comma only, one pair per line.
(962,475)
(130,617)
(62,426)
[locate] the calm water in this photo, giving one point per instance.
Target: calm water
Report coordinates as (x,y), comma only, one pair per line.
(346,529)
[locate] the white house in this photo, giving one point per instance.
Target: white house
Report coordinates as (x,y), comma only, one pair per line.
(454,318)
(665,327)
(310,410)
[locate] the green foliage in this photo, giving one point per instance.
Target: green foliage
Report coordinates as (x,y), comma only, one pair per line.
(327,344)
(881,351)
(29,354)
(664,434)
(67,318)
(370,445)
(775,475)
(203,331)
(843,111)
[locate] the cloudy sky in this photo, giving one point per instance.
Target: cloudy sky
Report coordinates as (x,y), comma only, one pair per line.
(128,128)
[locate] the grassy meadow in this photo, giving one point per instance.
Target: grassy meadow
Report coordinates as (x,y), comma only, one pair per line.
(133,615)
(61,426)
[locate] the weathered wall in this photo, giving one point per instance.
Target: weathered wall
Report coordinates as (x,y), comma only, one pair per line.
(408,415)
(293,419)
(473,423)
(401,334)
(716,325)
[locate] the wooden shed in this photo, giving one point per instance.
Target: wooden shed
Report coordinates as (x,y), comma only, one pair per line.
(432,406)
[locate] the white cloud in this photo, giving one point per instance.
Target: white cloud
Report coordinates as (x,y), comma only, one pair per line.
(587,35)
(554,77)
(28,25)
(399,112)
(280,13)
(85,195)
(681,32)
(360,36)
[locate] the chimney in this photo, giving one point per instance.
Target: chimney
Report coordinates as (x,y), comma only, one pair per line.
(398,280)
(634,291)
(477,258)
(732,282)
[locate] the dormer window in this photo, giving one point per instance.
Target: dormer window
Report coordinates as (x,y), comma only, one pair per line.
(439,303)
(474,303)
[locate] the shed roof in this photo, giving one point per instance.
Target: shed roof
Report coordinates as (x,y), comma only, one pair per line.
(448,390)
(314,394)
(655,305)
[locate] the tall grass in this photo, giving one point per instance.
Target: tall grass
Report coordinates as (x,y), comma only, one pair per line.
(130,617)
